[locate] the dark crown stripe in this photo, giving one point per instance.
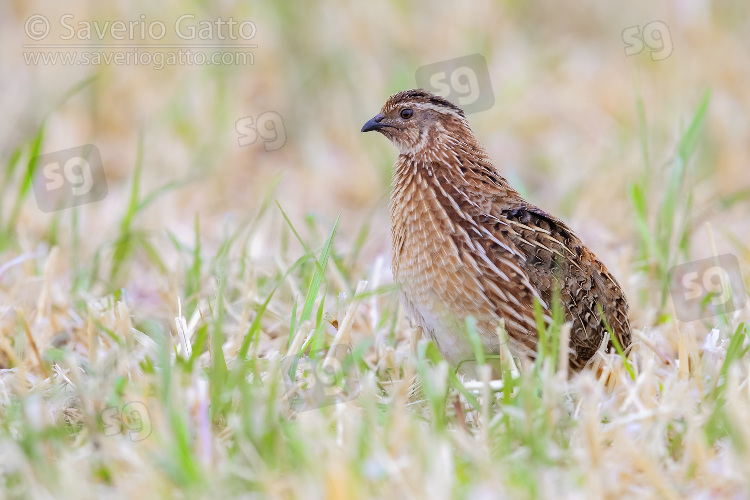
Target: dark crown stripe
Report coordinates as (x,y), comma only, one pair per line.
(421,95)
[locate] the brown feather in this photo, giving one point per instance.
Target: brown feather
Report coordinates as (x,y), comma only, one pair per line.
(465,243)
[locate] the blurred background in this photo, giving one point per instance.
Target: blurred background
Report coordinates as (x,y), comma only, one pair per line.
(587,101)
(145,264)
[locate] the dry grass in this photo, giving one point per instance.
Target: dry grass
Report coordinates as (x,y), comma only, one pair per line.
(178,312)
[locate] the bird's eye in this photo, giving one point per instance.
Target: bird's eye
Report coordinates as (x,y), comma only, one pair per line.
(406,113)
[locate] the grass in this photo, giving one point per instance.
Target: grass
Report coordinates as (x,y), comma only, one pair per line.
(666,239)
(215,417)
(168,342)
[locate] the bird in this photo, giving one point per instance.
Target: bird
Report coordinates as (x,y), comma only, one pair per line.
(466,244)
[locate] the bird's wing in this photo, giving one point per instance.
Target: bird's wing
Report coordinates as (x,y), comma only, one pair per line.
(552,255)
(498,267)
(519,253)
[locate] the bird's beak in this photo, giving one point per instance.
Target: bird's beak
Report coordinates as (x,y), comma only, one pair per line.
(374,123)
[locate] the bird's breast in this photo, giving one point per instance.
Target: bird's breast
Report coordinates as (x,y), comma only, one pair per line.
(428,262)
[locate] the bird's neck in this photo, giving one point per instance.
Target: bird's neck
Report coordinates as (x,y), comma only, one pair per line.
(436,183)
(457,163)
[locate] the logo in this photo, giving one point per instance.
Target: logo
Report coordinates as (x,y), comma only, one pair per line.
(706,288)
(465,81)
(325,377)
(134,420)
(69,178)
(655,36)
(268,126)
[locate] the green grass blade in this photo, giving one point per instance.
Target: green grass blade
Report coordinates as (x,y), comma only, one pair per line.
(31,165)
(319,275)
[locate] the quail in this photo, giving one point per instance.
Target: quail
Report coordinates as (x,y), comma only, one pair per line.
(465,243)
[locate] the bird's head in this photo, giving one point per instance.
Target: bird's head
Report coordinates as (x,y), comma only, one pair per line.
(416,120)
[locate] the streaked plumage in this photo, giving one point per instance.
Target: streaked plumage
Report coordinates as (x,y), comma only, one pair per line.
(466,244)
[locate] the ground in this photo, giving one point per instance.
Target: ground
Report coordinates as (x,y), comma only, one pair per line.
(167,306)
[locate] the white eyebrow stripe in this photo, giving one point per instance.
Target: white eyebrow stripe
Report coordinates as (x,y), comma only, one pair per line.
(440,109)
